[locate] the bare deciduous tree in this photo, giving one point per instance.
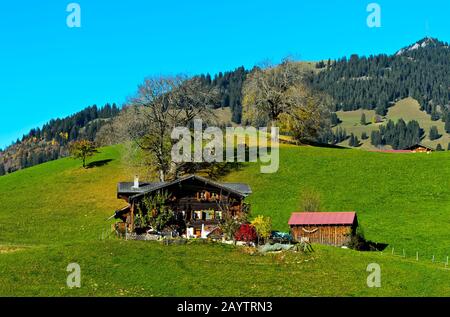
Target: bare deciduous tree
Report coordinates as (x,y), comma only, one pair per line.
(117,130)
(279,95)
(268,89)
(164,103)
(308,116)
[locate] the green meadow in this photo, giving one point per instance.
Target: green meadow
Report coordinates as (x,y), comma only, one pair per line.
(55,214)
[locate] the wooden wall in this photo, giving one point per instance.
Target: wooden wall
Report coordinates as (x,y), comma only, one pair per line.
(337,235)
(421,150)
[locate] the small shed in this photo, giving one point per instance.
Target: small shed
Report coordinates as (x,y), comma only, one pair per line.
(330,228)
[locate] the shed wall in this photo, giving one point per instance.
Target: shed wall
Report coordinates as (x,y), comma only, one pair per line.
(336,235)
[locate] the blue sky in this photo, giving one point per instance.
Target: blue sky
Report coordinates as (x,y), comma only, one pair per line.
(48,70)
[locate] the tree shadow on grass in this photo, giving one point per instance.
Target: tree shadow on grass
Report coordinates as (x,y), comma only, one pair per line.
(373,246)
(359,243)
(98,163)
(325,145)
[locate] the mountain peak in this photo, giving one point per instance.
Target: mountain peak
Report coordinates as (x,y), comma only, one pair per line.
(425,42)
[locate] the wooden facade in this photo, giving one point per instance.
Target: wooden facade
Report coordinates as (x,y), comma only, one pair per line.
(199,204)
(323,228)
(419,148)
(336,235)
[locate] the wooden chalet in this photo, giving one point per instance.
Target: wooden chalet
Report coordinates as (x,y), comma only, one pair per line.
(419,148)
(330,228)
(199,204)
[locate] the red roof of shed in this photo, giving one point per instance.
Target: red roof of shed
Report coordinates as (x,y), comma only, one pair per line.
(322,218)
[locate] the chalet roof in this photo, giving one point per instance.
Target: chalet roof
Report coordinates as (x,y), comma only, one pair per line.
(147,187)
(120,212)
(127,187)
(322,218)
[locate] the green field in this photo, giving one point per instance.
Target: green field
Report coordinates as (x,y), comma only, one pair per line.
(54,214)
(407,109)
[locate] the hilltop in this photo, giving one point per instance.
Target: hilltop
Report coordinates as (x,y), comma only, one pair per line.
(423,43)
(376,82)
(50,142)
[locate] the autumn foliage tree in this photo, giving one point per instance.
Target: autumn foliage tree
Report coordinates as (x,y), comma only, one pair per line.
(263,227)
(82,149)
(281,96)
(246,233)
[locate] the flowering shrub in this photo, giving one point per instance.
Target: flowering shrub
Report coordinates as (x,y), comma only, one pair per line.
(246,233)
(263,227)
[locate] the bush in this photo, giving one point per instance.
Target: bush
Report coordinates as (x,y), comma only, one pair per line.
(304,247)
(377,119)
(310,201)
(155,212)
(263,227)
(229,226)
(246,233)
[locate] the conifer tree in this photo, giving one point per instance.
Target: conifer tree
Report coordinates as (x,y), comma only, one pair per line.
(447,123)
(363,119)
(352,140)
(434,133)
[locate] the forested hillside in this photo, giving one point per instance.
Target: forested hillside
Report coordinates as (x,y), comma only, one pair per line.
(230,86)
(51,141)
(421,71)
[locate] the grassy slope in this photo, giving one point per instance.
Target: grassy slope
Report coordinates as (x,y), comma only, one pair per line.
(351,124)
(53,214)
(401,199)
(59,201)
(408,109)
(117,268)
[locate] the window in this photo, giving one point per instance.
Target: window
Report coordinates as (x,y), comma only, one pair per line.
(204,214)
(197,215)
(209,214)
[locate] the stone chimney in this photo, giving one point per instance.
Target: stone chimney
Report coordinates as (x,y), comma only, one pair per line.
(136,182)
